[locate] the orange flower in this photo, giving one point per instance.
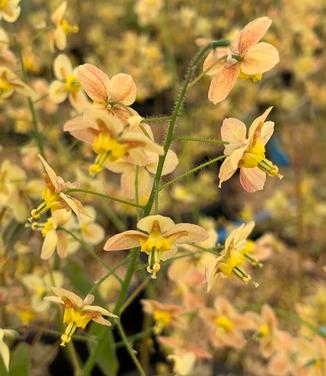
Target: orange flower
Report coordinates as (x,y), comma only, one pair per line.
(159,238)
(247,153)
(245,59)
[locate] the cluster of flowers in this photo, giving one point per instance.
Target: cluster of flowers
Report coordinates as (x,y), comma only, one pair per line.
(124,144)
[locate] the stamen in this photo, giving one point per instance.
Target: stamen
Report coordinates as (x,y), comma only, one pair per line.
(66,337)
(268,167)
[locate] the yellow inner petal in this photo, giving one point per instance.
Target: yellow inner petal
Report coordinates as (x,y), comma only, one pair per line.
(72,84)
(107,149)
(162,320)
(223,322)
(67,28)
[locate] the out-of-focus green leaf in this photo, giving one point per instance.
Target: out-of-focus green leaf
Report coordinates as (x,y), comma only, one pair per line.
(19,362)
(106,358)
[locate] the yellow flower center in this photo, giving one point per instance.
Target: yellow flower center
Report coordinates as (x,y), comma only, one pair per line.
(3,4)
(75,318)
(107,149)
(5,86)
(252,77)
(72,84)
(255,157)
(48,226)
(67,28)
(235,259)
(162,320)
(223,322)
(51,200)
(263,330)
(154,245)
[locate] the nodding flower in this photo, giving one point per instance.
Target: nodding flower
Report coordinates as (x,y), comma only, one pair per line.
(78,312)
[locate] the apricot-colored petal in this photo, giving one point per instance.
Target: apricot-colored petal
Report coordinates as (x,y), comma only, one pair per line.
(259,59)
(143,141)
(267,131)
(60,38)
(94,81)
(230,165)
(100,310)
(73,203)
(49,244)
(252,33)
(252,179)
(167,254)
(233,131)
(50,172)
(122,89)
(62,67)
(269,316)
(58,14)
(258,123)
(146,224)
(128,187)
(125,240)
(62,246)
(83,130)
(222,83)
(279,365)
(187,233)
(57,92)
(210,274)
(63,293)
(214,62)
(170,164)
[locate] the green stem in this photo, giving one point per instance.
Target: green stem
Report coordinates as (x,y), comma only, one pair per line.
(200,139)
(176,113)
(102,195)
(130,350)
(123,293)
(74,359)
(157,119)
(36,131)
(177,178)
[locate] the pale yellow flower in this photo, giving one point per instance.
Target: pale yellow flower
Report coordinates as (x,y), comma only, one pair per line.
(61,28)
(66,85)
(4,349)
(9,10)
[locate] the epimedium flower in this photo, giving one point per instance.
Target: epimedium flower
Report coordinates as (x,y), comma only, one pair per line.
(246,59)
(10,83)
(141,161)
(248,153)
(4,349)
(54,238)
(233,257)
(78,312)
(226,324)
(61,27)
(7,57)
(9,10)
(115,94)
(158,237)
(66,84)
(54,196)
(111,140)
(163,314)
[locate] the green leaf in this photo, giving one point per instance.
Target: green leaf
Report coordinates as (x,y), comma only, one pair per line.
(106,357)
(19,362)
